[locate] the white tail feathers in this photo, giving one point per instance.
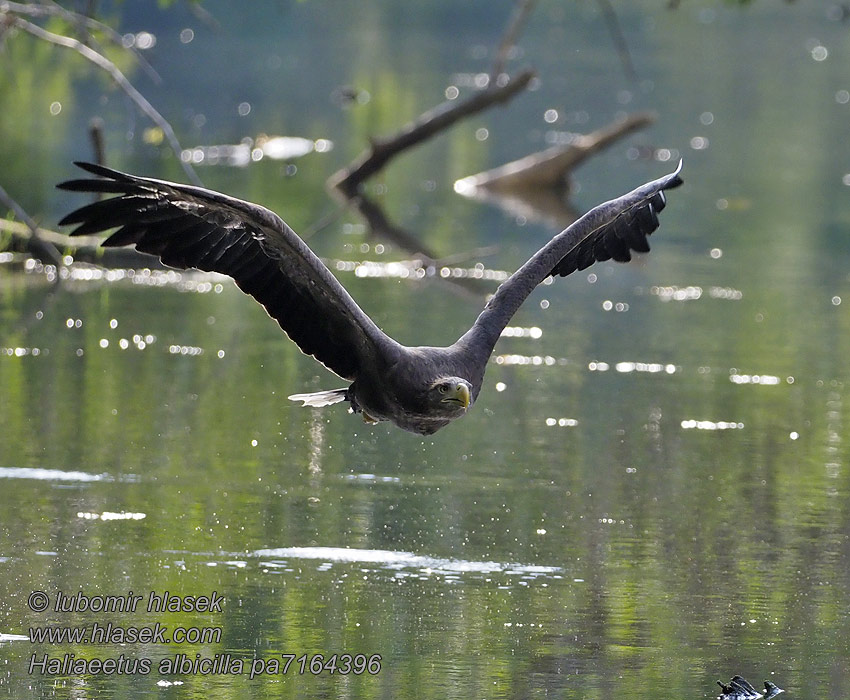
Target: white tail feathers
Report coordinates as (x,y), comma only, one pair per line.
(320,398)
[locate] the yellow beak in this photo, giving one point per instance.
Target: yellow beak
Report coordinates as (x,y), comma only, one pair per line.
(459,394)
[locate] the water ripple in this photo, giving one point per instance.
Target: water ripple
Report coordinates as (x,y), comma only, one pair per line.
(50,474)
(39,474)
(394,561)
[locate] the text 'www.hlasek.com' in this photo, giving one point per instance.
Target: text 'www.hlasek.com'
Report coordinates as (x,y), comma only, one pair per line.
(107,632)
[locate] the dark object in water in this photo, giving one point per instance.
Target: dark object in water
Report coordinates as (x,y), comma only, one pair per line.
(771,689)
(740,689)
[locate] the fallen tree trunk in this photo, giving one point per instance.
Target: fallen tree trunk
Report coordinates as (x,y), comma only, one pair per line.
(551,168)
(432,122)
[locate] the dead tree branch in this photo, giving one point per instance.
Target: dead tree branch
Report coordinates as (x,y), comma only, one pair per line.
(34,245)
(425,259)
(618,37)
(19,237)
(424,127)
(85,23)
(382,227)
(519,17)
(105,64)
(551,168)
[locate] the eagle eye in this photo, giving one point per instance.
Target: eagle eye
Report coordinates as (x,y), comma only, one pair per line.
(443,388)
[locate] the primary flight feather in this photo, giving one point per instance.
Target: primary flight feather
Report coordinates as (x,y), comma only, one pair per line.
(420,389)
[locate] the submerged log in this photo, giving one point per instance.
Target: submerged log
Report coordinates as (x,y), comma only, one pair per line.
(551,168)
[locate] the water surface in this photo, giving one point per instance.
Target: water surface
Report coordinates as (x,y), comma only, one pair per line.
(651,492)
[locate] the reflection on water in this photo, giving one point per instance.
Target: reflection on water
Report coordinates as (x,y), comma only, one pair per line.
(108,515)
(48,474)
(652,493)
(254,150)
(395,561)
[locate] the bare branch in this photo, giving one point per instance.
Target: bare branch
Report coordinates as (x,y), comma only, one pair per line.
(81,248)
(552,167)
(84,22)
(619,39)
(104,63)
(425,259)
(382,227)
(536,186)
(423,127)
(37,247)
(520,15)
(201,14)
(97,142)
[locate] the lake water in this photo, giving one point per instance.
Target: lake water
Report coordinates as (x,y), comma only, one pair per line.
(651,492)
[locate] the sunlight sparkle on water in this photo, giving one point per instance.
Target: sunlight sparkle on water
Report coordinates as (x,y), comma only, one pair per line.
(416,269)
(13,638)
(673,293)
(478,81)
(49,474)
(110,515)
(396,561)
(820,53)
(725,293)
(620,306)
(191,350)
(520,332)
(250,150)
(141,41)
(763,379)
(711,425)
(372,478)
(535,360)
(561,422)
(650,367)
(22,352)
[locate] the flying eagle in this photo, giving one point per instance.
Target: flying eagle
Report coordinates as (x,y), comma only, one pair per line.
(420,389)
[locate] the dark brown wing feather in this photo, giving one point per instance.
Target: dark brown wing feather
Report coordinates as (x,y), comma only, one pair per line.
(614,229)
(611,230)
(192,227)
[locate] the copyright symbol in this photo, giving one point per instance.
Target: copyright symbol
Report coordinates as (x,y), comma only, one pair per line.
(38,601)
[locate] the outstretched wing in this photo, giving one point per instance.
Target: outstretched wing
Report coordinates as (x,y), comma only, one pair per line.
(192,227)
(611,230)
(615,228)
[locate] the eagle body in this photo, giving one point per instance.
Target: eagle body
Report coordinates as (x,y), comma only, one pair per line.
(419,389)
